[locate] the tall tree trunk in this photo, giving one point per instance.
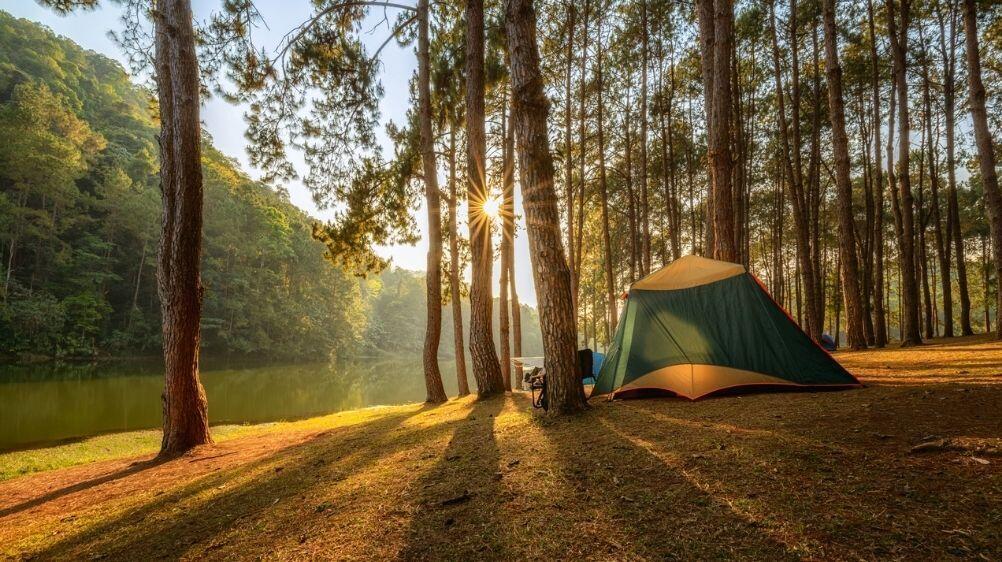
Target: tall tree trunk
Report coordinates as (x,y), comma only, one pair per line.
(569,160)
(847,236)
(645,225)
(454,286)
(921,258)
(778,259)
(880,314)
(666,113)
(806,287)
(942,247)
(504,334)
(986,281)
(814,178)
(631,199)
(185,421)
(892,189)
(707,48)
(838,303)
(669,229)
(866,243)
(695,237)
(516,307)
(953,226)
(550,273)
(435,391)
(740,154)
(486,369)
(583,150)
(910,299)
(508,212)
(724,245)
(604,192)
(986,147)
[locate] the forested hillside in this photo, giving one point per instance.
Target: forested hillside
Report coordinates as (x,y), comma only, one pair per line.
(80,220)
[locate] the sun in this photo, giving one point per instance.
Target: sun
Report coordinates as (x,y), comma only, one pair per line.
(492,207)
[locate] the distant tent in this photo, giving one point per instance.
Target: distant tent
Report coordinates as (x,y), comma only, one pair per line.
(699,326)
(590,375)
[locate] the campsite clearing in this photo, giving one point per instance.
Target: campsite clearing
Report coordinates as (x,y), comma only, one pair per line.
(909,467)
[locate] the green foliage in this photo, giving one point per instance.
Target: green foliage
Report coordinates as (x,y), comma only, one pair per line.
(80,216)
(318,92)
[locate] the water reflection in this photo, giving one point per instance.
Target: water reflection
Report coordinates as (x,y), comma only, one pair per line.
(45,403)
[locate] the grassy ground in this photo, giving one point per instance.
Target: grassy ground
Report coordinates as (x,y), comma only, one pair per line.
(765,476)
(146,443)
(111,446)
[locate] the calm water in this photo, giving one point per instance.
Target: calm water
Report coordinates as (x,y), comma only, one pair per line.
(45,403)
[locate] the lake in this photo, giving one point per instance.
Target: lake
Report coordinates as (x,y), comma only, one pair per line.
(45,403)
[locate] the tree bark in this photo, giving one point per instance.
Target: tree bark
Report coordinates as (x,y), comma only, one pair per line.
(435,391)
(910,299)
(690,180)
(508,212)
(583,153)
(892,188)
(880,314)
(865,246)
(707,48)
(569,160)
(504,331)
(516,308)
(645,225)
(847,235)
(666,113)
(942,247)
(185,421)
(921,253)
(953,226)
(814,178)
(724,244)
(486,369)
(604,193)
(986,147)
(791,161)
(454,286)
(986,280)
(550,273)
(631,199)
(504,334)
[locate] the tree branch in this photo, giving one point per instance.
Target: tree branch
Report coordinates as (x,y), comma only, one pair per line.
(307,25)
(393,34)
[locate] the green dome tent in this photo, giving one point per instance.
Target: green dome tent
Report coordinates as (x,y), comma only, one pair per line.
(699,326)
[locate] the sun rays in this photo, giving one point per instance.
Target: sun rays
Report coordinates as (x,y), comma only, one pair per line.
(492,207)
(491,210)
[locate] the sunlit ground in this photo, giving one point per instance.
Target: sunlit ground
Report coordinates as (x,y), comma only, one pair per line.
(764,476)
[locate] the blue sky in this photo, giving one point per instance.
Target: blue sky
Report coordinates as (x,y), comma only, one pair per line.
(225,122)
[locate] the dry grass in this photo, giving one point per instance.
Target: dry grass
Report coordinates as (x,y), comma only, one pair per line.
(109,446)
(764,476)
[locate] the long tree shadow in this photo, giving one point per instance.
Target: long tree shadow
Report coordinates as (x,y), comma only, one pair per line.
(271,488)
(457,501)
(649,507)
(826,499)
(133,468)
